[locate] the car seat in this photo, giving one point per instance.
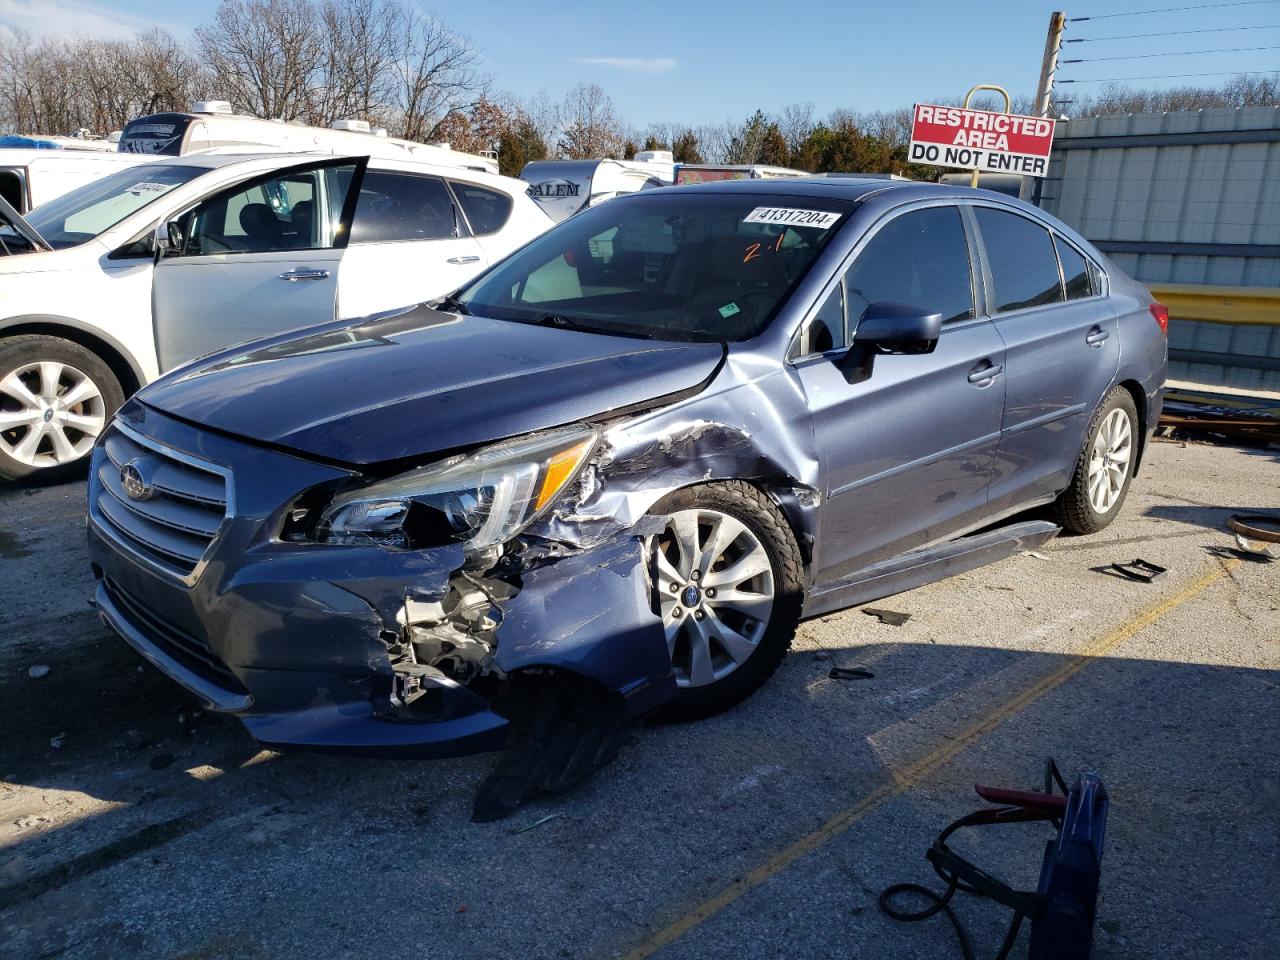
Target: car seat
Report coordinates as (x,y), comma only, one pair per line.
(262,228)
(303,222)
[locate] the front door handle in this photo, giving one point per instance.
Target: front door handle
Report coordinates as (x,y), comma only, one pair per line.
(1096,337)
(464,260)
(985,372)
(302,273)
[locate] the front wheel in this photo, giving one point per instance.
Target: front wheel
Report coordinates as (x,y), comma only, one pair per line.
(728,583)
(55,398)
(1104,468)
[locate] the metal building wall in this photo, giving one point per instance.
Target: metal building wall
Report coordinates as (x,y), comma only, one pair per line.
(1185,198)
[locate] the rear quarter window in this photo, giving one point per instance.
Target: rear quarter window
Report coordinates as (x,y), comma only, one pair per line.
(487,210)
(1077,278)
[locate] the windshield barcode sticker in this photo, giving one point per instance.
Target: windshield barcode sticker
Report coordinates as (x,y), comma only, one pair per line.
(791,217)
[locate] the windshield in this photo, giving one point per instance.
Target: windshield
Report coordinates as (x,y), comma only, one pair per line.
(88,211)
(672,266)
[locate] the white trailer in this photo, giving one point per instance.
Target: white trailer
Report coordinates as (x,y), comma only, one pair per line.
(30,177)
(212,127)
(563,187)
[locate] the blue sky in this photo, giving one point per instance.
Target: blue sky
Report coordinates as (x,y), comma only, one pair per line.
(704,62)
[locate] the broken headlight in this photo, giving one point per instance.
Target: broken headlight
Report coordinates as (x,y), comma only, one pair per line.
(482,499)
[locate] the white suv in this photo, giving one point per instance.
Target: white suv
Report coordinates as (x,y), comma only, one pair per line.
(108,286)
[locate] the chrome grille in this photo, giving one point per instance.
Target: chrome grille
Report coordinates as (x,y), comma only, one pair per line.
(186,503)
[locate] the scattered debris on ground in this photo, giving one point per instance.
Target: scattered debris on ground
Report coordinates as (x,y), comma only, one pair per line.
(891,617)
(1256,534)
(1144,571)
(537,823)
(850,673)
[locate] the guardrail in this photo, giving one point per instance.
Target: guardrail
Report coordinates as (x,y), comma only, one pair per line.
(1254,306)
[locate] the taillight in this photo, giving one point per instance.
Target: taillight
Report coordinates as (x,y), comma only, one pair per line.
(1161,313)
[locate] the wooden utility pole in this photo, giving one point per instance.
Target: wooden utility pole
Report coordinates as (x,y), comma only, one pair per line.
(1048,67)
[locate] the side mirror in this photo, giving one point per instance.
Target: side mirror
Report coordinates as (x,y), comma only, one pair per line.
(169,239)
(898,328)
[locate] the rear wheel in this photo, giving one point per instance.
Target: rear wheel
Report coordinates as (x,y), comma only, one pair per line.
(1104,469)
(728,585)
(55,397)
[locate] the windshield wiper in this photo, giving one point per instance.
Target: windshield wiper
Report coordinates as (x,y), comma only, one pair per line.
(453,305)
(586,326)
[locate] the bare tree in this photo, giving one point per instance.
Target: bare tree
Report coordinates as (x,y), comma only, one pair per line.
(589,127)
(543,113)
(264,54)
(436,72)
(57,87)
(795,122)
(358,42)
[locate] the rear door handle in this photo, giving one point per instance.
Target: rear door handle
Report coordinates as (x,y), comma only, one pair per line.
(985,372)
(1096,337)
(463,260)
(301,273)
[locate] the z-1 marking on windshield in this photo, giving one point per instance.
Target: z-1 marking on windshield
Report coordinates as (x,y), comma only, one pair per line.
(792,217)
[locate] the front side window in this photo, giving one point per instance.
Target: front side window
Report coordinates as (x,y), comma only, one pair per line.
(1024,266)
(664,266)
(487,210)
(1076,276)
(275,214)
(86,212)
(402,206)
(920,259)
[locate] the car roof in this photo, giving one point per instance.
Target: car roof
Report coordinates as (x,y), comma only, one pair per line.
(835,188)
(844,187)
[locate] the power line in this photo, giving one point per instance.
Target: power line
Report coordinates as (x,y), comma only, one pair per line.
(1198,6)
(1167,33)
(1171,53)
(1170,76)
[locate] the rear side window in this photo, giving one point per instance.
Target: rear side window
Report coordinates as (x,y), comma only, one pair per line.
(919,258)
(487,210)
(1076,275)
(1024,266)
(402,206)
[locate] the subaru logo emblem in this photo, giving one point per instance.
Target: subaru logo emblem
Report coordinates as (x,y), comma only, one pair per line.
(691,596)
(136,482)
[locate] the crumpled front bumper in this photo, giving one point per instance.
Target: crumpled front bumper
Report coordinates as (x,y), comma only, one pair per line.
(294,638)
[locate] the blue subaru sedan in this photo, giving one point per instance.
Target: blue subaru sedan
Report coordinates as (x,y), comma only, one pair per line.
(612,474)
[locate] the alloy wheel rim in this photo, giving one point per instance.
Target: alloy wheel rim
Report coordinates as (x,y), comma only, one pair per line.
(715,589)
(1109,461)
(50,413)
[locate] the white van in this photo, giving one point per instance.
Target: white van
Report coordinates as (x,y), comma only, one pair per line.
(30,177)
(211,126)
(108,286)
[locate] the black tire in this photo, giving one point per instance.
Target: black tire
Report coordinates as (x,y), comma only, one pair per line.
(1073,510)
(16,353)
(756,511)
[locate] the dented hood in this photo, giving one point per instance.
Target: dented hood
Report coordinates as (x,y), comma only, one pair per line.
(422,381)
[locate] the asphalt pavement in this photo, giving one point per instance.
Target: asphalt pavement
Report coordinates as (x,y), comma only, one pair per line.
(131,825)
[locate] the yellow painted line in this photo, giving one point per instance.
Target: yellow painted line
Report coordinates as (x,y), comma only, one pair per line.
(912,774)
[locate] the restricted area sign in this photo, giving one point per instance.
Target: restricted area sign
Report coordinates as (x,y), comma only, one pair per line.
(981,140)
